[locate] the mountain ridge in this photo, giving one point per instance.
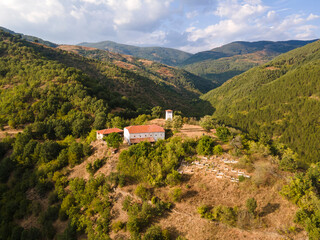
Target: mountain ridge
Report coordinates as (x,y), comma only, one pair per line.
(168,56)
(279,98)
(227,61)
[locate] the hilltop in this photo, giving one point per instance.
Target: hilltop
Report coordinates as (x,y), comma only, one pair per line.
(227,61)
(168,56)
(280,99)
(29,38)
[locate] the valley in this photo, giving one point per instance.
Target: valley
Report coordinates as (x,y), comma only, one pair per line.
(238,158)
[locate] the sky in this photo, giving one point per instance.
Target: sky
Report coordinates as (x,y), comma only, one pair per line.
(188,25)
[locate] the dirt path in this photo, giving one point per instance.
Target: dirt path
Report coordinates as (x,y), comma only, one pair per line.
(7,131)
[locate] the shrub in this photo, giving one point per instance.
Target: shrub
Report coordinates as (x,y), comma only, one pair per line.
(205,145)
(263,174)
(155,233)
(118,226)
(173,178)
(92,168)
(113,140)
(207,123)
(176,194)
(289,161)
(143,192)
(223,134)
(251,205)
(217,150)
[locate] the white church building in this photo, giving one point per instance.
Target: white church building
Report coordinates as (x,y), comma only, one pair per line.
(140,133)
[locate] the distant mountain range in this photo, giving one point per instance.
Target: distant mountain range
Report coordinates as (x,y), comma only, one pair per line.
(227,61)
(280,99)
(168,56)
(217,65)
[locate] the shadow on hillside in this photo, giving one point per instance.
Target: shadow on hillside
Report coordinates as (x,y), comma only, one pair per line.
(269,208)
(189,194)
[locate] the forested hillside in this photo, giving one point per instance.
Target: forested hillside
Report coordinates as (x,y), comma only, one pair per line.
(168,56)
(153,70)
(227,61)
(279,99)
(30,72)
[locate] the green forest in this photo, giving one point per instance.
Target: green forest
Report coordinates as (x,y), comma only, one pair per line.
(56,100)
(222,63)
(279,99)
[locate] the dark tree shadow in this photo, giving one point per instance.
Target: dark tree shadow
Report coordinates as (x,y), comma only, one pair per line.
(189,194)
(269,208)
(174,233)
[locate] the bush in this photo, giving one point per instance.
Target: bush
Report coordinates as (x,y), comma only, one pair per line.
(176,194)
(263,174)
(92,168)
(113,140)
(289,161)
(155,233)
(173,178)
(217,150)
(223,134)
(205,145)
(118,226)
(219,213)
(207,123)
(143,192)
(251,205)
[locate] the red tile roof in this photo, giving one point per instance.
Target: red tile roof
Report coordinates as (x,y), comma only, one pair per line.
(138,140)
(168,110)
(145,129)
(109,130)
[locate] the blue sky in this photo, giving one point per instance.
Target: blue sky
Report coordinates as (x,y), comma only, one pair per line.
(189,25)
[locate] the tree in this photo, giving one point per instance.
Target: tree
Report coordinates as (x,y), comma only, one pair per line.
(205,145)
(168,124)
(289,161)
(156,112)
(100,121)
(207,123)
(218,150)
(177,122)
(118,122)
(155,233)
(223,134)
(251,205)
(113,140)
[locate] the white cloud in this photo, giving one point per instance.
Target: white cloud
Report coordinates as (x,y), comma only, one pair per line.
(312,17)
(250,20)
(192,14)
(191,25)
(32,11)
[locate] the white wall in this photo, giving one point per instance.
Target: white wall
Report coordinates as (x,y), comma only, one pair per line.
(99,136)
(155,135)
(168,115)
(126,135)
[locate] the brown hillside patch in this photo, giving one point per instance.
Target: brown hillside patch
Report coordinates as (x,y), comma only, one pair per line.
(100,151)
(146,62)
(73,48)
(7,131)
(125,65)
(315,97)
(165,71)
(272,68)
(206,189)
